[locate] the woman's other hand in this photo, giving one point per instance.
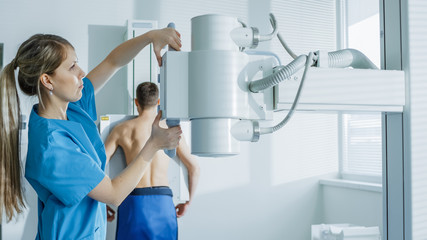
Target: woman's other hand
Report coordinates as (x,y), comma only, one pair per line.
(164,138)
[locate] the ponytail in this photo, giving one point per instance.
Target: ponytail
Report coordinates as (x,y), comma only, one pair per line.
(41,53)
(11,195)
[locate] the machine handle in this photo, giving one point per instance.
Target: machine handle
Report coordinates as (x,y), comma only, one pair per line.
(171,123)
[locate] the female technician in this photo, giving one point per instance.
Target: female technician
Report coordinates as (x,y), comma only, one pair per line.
(66,157)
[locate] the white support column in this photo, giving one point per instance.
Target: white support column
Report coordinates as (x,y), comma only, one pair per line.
(393,175)
(143,67)
(396,160)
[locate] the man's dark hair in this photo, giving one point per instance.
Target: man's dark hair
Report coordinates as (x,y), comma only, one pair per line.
(147,94)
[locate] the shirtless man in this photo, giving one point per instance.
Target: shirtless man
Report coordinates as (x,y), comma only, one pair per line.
(148,212)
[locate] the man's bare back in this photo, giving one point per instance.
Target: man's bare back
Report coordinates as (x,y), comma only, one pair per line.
(133,135)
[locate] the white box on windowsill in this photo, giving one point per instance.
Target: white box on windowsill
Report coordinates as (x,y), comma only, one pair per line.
(344,232)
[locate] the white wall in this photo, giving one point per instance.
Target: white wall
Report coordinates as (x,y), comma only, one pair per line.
(356,206)
(264,193)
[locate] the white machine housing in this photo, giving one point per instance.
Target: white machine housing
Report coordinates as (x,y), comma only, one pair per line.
(209,86)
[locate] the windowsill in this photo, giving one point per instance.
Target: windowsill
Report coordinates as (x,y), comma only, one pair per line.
(363,186)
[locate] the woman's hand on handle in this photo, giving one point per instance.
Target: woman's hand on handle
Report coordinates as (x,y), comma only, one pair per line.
(163,37)
(125,52)
(164,138)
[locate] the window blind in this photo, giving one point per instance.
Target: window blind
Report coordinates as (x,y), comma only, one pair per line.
(362,145)
(308,143)
(305,147)
(305,25)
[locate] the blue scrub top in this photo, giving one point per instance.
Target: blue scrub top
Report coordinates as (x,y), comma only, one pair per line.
(65,161)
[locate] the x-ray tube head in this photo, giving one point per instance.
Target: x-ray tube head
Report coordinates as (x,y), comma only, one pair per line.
(215,100)
(214,77)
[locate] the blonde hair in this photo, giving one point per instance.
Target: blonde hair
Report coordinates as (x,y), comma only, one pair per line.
(41,53)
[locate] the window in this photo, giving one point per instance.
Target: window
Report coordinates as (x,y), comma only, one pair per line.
(363,28)
(361,143)
(361,156)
